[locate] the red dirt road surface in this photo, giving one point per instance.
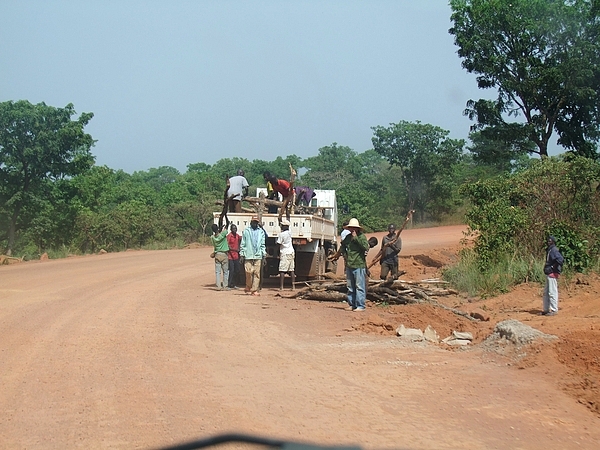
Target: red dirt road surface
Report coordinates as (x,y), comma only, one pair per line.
(139,350)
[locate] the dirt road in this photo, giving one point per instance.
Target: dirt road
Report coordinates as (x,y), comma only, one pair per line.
(138,350)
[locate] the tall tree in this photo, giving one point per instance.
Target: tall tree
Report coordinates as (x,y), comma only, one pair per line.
(328,170)
(543,58)
(425,155)
(501,151)
(38,143)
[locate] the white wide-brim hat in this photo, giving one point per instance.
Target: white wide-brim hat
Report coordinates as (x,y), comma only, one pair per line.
(353,224)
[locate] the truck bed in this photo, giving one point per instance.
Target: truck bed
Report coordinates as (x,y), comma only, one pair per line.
(302,226)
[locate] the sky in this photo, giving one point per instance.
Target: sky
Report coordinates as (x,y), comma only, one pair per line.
(177,82)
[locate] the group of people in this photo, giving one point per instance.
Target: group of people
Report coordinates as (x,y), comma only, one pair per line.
(277,189)
(232,251)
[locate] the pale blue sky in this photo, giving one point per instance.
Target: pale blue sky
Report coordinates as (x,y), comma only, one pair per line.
(177,82)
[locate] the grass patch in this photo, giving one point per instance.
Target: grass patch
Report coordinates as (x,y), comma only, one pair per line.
(61,252)
(507,272)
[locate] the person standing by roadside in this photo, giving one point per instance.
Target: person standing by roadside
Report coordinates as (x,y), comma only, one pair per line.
(552,269)
(287,254)
(233,255)
(238,188)
(253,250)
(390,247)
(354,249)
(219,242)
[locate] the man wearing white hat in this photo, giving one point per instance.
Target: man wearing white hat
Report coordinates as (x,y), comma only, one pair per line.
(287,255)
(355,247)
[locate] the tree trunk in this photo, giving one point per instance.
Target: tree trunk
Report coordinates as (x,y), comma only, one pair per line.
(12,229)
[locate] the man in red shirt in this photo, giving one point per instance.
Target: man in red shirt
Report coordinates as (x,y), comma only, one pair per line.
(235,268)
(284,188)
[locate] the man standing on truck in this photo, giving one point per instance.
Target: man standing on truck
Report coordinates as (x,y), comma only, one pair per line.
(286,189)
(287,255)
(237,189)
(253,250)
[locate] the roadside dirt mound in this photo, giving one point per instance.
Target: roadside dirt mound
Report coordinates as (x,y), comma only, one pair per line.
(573,361)
(386,319)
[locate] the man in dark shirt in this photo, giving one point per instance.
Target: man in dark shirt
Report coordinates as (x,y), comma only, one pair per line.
(552,269)
(390,247)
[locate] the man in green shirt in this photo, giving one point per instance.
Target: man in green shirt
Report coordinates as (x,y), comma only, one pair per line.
(219,242)
(354,248)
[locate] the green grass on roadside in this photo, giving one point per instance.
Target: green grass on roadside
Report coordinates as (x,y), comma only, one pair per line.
(508,272)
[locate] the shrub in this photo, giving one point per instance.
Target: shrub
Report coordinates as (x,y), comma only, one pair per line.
(513,215)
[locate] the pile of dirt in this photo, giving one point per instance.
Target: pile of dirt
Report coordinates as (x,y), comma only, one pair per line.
(386,319)
(572,360)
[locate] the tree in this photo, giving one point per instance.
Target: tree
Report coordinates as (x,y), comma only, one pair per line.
(425,155)
(157,178)
(499,151)
(328,170)
(543,58)
(38,143)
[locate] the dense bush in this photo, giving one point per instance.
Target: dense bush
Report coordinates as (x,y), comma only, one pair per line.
(513,215)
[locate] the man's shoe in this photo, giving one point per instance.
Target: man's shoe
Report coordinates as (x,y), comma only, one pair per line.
(551,313)
(349,308)
(359,309)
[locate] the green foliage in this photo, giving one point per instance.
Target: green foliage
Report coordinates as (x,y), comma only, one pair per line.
(504,151)
(157,178)
(573,246)
(329,169)
(425,156)
(542,57)
(371,190)
(505,272)
(515,214)
(97,207)
(39,145)
(494,217)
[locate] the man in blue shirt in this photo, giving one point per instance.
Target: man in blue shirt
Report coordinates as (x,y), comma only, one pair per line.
(253,250)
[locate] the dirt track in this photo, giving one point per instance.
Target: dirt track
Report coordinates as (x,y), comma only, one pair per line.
(138,350)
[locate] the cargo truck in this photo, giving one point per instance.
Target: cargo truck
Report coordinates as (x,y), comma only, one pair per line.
(313,228)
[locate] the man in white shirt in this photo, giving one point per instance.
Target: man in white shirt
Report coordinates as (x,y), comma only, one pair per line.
(238,188)
(287,254)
